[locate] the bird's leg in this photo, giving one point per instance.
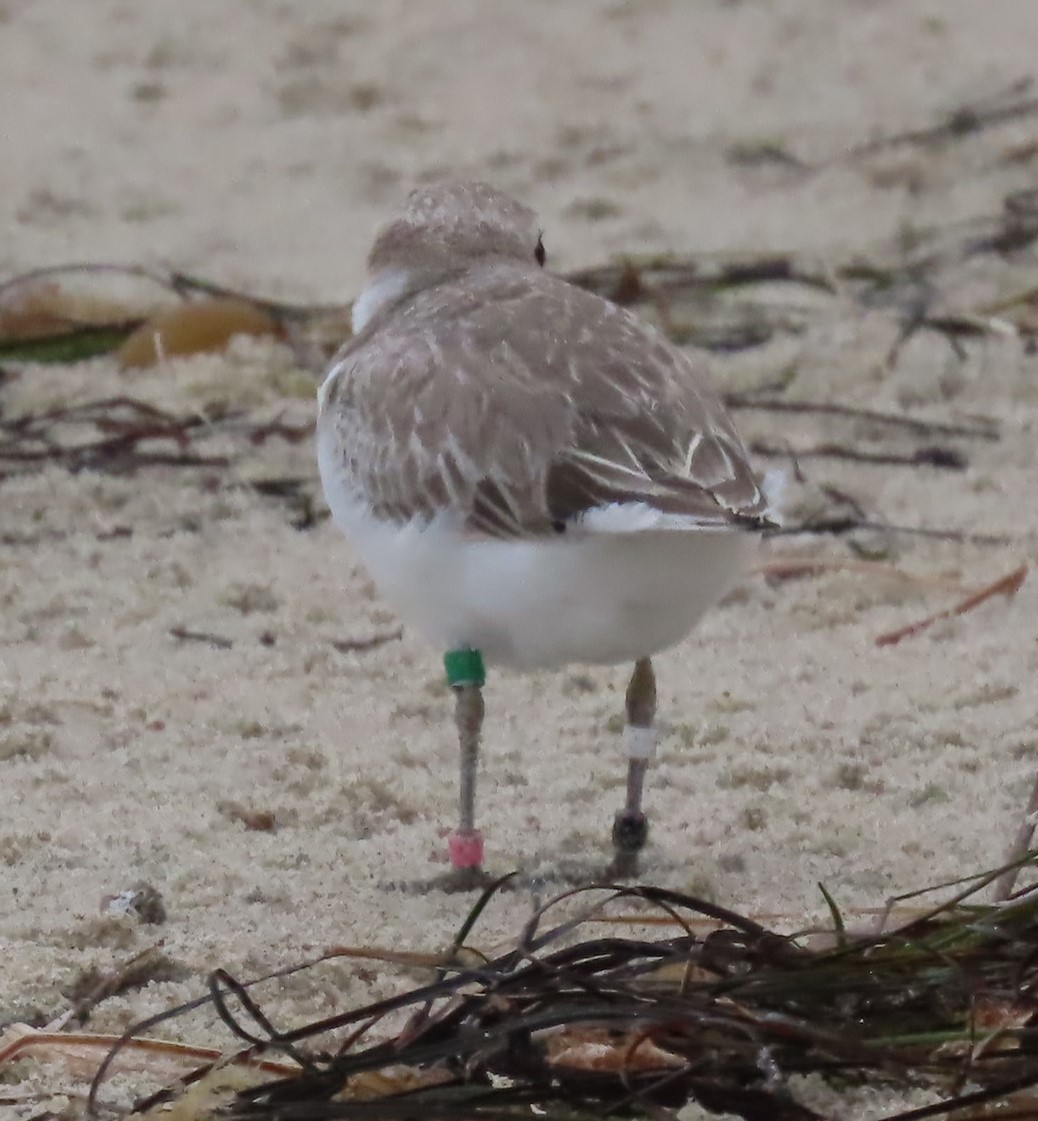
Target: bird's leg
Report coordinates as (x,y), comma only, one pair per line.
(465,675)
(630,828)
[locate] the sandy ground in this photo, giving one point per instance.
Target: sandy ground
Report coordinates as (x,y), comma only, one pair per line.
(258,143)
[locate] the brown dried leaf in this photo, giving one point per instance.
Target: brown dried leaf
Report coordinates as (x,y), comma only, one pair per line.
(43,307)
(262,821)
(390,1080)
(196,327)
(993,1014)
(598,1049)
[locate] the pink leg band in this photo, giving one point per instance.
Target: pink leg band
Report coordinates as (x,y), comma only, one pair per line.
(466,848)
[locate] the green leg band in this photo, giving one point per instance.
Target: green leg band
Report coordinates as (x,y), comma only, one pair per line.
(464,667)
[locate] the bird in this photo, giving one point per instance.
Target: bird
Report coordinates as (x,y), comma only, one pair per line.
(532,475)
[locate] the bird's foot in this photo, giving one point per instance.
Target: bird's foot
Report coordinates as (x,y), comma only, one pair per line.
(466,849)
(630,832)
(459,880)
(467,873)
(454,882)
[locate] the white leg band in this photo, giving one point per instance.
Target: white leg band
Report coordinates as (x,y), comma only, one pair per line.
(640,743)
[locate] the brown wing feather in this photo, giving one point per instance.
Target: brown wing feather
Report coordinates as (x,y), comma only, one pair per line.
(524,402)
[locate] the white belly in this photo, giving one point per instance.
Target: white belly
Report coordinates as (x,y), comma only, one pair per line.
(594,597)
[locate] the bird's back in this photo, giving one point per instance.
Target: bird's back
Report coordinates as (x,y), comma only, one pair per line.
(524,407)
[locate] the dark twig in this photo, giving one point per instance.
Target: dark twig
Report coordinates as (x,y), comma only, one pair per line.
(362,645)
(984,429)
(946,458)
(126,423)
(839,526)
(966,120)
(185,635)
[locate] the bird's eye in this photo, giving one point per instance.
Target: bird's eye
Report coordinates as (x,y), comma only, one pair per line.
(538,253)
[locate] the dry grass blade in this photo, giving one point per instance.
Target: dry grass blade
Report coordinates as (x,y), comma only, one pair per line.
(85,1051)
(1003,886)
(1007,585)
(778,569)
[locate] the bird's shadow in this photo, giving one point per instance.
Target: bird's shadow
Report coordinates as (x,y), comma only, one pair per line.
(559,875)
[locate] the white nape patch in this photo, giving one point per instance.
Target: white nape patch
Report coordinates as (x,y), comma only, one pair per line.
(384,289)
(638,517)
(775,486)
(325,386)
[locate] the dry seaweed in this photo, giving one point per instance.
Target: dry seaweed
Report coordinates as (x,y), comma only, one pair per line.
(125,430)
(569,1022)
(52,315)
(732,301)
(964,120)
(124,434)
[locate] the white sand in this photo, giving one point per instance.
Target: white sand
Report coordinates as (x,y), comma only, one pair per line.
(258,143)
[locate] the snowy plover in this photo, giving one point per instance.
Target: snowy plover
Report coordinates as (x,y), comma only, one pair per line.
(531,474)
